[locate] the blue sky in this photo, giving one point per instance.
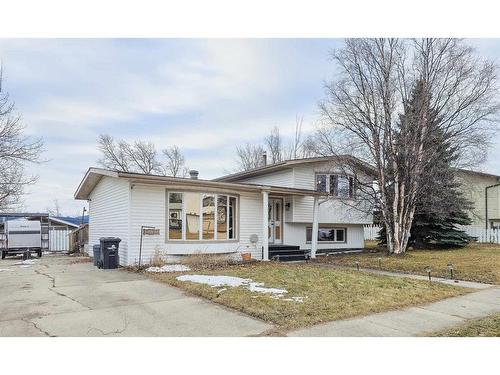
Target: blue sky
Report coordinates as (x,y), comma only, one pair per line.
(206,96)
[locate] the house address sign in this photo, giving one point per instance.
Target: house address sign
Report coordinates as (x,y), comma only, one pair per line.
(151,231)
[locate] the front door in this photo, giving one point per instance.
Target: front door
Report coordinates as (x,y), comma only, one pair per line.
(275,221)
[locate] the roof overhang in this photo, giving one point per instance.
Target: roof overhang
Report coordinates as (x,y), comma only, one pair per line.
(64,222)
(94,175)
(294,162)
(90,181)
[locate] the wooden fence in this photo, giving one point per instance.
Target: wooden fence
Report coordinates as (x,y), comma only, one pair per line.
(483,235)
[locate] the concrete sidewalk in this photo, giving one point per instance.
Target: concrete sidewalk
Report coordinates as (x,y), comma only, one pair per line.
(413,321)
(53,297)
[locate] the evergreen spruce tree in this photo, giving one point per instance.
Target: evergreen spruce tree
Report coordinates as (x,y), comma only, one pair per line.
(442,207)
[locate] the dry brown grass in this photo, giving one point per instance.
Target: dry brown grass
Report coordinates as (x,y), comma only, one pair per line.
(476,262)
(157,259)
(485,327)
(331,293)
(208,261)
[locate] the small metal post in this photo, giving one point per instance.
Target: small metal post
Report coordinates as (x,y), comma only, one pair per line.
(428,269)
(379,262)
(451,268)
(140,242)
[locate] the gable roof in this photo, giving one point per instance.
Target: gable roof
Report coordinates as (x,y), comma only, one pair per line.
(294,162)
(94,175)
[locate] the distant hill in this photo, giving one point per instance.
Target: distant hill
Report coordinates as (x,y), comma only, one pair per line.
(77,220)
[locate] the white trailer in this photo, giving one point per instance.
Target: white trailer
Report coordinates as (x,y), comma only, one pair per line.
(21,236)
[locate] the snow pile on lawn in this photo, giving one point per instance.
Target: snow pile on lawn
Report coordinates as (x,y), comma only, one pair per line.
(169,268)
(24,263)
(5,269)
(218,281)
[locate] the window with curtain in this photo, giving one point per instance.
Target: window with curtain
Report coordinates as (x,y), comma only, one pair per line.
(194,216)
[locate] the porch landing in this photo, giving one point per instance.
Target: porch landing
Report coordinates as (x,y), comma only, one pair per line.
(287,253)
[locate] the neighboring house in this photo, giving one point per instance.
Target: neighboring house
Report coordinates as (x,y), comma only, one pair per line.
(476,186)
(267,211)
(55,230)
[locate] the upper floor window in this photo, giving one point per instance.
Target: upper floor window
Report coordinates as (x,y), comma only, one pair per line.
(337,185)
(196,216)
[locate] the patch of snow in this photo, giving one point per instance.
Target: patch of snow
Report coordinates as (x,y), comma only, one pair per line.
(258,287)
(295,299)
(215,281)
(231,281)
(25,262)
(25,266)
(6,269)
(169,268)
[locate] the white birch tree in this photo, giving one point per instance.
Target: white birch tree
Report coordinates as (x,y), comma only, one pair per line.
(363,105)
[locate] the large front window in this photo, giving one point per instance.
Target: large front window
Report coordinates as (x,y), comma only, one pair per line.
(196,216)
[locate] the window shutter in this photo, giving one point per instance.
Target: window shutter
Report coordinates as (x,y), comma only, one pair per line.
(352,188)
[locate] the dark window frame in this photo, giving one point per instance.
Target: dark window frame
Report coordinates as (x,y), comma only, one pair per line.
(329,227)
(331,184)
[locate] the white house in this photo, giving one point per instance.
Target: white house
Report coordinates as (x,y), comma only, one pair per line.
(181,216)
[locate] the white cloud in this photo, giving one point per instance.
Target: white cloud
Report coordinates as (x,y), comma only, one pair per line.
(205,96)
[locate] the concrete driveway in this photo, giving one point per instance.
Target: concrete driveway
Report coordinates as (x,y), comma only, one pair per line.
(57,297)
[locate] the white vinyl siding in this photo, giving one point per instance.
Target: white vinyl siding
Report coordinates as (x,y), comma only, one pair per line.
(148,207)
(108,213)
(281,178)
(295,233)
(251,223)
(333,211)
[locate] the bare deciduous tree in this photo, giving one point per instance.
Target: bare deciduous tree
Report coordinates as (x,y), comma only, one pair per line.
(363,108)
(295,149)
(276,148)
(55,210)
(175,162)
(16,150)
(113,154)
(274,145)
(250,156)
(140,157)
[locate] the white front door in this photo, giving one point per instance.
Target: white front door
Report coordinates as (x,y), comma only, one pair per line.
(275,221)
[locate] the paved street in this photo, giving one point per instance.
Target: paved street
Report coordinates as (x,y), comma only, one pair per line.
(54,297)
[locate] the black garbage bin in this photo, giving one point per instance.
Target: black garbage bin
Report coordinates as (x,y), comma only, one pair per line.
(97,254)
(109,252)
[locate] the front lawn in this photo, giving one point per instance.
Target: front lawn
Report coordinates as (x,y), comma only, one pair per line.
(329,294)
(476,262)
(485,327)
